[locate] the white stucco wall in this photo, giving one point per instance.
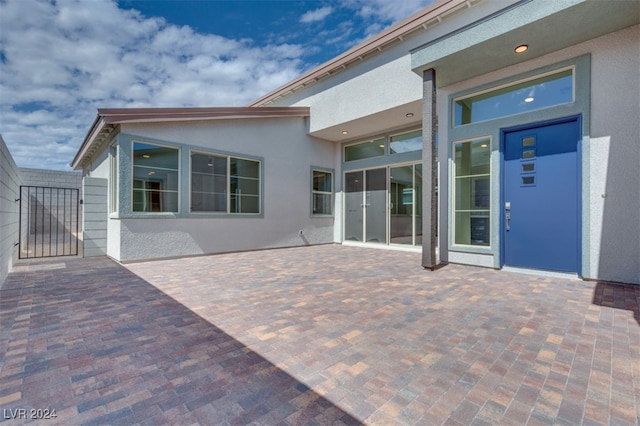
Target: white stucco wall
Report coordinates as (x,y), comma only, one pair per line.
(10,181)
(381,81)
(288,155)
(611,151)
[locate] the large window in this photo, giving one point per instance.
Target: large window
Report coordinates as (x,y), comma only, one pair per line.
(155,178)
(224,184)
(472,198)
(530,95)
(322,192)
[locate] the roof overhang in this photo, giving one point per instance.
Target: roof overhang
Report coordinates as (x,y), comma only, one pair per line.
(108,120)
(544,25)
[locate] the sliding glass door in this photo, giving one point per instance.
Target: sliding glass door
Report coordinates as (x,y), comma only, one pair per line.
(365,206)
(384,205)
(405,193)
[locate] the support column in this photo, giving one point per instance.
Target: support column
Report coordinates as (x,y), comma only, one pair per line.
(429,169)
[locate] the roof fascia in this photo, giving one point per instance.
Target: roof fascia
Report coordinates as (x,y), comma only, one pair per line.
(109,117)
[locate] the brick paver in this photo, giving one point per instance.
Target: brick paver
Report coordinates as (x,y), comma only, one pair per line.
(315,335)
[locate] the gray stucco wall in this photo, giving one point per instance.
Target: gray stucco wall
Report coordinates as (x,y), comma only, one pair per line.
(287,157)
(10,182)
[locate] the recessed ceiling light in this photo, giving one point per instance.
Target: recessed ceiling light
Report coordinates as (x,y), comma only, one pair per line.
(344,132)
(484,145)
(521,49)
(152,173)
(409,115)
(146,156)
(529,99)
(381,145)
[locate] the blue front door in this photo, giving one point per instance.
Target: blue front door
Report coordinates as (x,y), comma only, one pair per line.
(542,196)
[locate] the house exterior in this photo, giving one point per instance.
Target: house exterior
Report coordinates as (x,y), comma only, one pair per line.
(501,134)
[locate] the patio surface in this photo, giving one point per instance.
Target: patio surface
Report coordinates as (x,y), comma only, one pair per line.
(314,335)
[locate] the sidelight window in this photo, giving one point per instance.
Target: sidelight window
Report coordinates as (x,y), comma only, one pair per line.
(472,199)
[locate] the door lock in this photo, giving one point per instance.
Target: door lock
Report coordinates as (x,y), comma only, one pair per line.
(507,218)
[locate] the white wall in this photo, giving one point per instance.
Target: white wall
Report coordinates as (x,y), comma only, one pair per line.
(379,82)
(288,155)
(10,181)
(52,178)
(94,209)
(611,155)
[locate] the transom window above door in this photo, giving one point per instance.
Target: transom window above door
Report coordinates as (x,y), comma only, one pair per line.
(540,92)
(393,145)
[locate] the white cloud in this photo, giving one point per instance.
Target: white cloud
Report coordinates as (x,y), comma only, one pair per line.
(316,15)
(385,10)
(62,60)
(380,14)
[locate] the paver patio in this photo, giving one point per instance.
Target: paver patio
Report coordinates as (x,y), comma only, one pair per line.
(315,335)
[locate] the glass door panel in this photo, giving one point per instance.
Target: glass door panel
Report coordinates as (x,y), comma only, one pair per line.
(418,203)
(402,193)
(353,206)
(376,206)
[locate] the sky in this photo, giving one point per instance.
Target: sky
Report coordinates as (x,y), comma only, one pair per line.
(61,60)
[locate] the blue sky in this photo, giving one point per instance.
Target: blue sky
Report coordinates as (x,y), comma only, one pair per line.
(60,60)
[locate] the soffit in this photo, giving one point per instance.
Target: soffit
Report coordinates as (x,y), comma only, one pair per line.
(544,25)
(399,117)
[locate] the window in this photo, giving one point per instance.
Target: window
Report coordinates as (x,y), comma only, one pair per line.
(472,199)
(322,192)
(224,184)
(208,183)
(155,178)
(406,142)
(360,151)
(113,158)
(530,95)
(244,186)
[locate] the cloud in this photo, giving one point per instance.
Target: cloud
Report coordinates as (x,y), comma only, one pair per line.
(386,11)
(380,14)
(316,15)
(62,60)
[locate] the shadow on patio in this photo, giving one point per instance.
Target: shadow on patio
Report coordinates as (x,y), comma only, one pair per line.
(618,296)
(97,344)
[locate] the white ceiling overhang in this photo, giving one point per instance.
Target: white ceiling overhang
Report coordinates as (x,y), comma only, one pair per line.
(544,25)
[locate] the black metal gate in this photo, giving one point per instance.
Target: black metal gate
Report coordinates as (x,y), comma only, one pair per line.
(49,221)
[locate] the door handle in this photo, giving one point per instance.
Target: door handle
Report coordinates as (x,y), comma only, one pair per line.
(507,218)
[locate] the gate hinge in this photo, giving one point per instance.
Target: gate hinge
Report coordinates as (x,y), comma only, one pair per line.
(17,199)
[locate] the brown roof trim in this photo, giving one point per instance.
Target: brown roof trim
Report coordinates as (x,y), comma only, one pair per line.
(108,118)
(138,115)
(423,19)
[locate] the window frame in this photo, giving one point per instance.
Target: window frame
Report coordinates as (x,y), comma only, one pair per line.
(392,135)
(499,87)
(486,212)
(331,174)
(384,139)
(114,193)
(178,172)
(228,157)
